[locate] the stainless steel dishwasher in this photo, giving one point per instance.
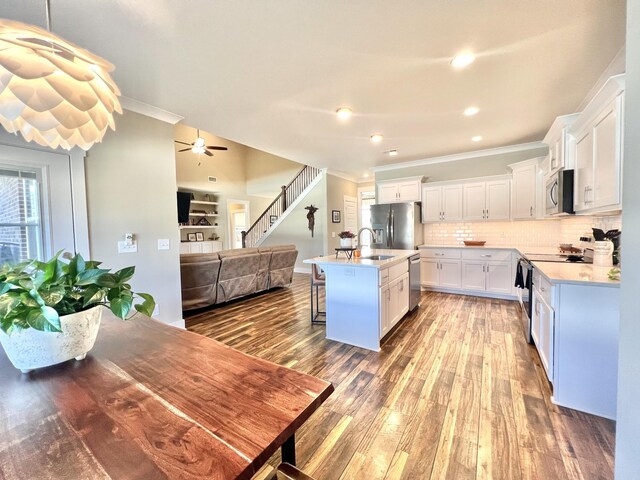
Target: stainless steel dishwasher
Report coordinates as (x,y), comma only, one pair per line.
(414,281)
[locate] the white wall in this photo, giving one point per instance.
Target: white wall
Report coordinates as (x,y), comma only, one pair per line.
(337,188)
(266,173)
(628,426)
(293,228)
(131,185)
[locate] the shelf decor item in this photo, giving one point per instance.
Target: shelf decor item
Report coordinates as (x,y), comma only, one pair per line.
(199,237)
(475,243)
(51,91)
(191,237)
(50,311)
(346,239)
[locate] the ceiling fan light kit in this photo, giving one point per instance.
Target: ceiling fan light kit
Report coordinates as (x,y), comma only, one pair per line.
(53,92)
(199,146)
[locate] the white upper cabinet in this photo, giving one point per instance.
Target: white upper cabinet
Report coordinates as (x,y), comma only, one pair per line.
(474,201)
(441,203)
(400,190)
(526,190)
(561,154)
(497,200)
(486,200)
(598,154)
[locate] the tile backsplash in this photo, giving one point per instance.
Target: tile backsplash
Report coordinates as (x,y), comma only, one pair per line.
(536,233)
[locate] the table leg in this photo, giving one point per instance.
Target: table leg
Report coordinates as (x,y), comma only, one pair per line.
(289,450)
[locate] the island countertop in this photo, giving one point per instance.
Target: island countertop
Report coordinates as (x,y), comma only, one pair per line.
(576,273)
(397,256)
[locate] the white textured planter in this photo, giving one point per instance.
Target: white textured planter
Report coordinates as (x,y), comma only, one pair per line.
(346,242)
(30,349)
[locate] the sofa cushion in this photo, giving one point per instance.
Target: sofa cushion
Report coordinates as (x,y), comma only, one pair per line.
(238,274)
(262,278)
(283,260)
(199,277)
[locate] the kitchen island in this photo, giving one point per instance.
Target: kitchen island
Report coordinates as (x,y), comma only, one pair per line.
(367,296)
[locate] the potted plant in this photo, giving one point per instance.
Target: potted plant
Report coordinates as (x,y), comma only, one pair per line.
(50,311)
(346,239)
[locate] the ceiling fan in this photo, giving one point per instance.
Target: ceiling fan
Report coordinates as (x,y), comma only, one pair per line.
(199,146)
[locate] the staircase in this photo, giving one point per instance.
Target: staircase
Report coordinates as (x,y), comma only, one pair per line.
(287,197)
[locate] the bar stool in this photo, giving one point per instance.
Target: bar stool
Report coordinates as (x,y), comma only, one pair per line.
(317,281)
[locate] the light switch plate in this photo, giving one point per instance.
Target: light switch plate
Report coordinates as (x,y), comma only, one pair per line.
(124,248)
(163,244)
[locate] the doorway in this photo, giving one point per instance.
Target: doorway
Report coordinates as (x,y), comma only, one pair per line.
(239,220)
(366,198)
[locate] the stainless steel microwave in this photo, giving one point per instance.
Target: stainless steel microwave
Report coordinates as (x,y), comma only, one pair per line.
(559,193)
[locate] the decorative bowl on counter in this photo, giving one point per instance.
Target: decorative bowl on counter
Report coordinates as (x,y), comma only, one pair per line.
(475,243)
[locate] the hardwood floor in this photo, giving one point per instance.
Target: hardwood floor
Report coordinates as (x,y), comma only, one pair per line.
(455,393)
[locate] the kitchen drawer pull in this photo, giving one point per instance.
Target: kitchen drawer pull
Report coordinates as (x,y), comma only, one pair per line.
(486,255)
(531,211)
(439,254)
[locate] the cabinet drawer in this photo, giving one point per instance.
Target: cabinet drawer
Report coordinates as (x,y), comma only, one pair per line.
(440,253)
(384,276)
(396,271)
(543,286)
(487,255)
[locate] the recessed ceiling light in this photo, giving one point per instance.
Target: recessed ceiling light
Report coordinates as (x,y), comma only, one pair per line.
(392,153)
(477,138)
(344,113)
(377,137)
(462,60)
(471,111)
(366,175)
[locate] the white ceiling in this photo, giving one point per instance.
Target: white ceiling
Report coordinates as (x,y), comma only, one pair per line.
(270,74)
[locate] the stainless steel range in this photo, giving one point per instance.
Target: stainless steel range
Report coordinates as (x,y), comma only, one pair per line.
(559,257)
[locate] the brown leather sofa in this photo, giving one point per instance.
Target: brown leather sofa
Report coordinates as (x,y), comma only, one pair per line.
(213,278)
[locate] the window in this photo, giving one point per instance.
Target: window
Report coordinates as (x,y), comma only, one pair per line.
(20,218)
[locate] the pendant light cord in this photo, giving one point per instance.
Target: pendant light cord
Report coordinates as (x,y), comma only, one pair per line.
(47,11)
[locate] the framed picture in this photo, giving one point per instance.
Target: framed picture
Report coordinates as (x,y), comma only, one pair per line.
(272,219)
(335,216)
(199,237)
(191,237)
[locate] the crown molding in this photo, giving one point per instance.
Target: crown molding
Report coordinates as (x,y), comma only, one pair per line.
(149,110)
(461,156)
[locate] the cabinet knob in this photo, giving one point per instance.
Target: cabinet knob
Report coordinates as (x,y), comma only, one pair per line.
(531,211)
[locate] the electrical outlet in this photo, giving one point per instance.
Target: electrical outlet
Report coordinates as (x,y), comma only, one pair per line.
(124,248)
(163,244)
(333,234)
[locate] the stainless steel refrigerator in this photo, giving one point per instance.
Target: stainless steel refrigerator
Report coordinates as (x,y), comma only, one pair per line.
(396,225)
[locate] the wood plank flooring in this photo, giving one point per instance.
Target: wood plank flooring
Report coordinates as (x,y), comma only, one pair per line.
(455,393)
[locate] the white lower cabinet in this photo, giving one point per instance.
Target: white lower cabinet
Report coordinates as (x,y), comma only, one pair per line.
(209,246)
(485,271)
(440,273)
(542,330)
(394,302)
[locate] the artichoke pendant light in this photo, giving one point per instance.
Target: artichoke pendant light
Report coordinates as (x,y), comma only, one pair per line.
(51,91)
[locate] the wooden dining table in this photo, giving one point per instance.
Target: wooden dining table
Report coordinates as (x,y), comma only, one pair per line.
(151,401)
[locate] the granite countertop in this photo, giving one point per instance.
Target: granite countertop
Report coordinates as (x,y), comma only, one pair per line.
(398,256)
(576,273)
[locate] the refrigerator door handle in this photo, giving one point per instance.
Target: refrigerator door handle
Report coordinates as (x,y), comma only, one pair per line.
(392,229)
(389,229)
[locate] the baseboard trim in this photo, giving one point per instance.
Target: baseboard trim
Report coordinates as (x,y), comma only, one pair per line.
(306,270)
(471,293)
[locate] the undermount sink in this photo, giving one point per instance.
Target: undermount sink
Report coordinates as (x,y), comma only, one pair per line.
(377,257)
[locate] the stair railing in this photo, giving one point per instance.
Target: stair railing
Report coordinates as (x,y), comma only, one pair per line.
(285,198)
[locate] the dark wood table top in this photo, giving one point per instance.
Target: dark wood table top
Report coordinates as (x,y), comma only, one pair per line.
(150,402)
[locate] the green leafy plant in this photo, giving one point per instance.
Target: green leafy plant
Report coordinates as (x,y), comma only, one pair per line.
(36,294)
(346,234)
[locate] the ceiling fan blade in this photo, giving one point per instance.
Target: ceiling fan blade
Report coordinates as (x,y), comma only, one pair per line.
(208,153)
(182,143)
(215,147)
(184,150)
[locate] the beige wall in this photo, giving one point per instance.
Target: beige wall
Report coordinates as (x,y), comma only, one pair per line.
(266,173)
(230,169)
(337,188)
(131,184)
(293,228)
(628,426)
(467,168)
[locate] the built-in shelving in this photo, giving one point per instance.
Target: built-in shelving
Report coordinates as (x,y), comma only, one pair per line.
(192,214)
(196,227)
(203,202)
